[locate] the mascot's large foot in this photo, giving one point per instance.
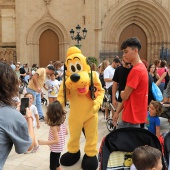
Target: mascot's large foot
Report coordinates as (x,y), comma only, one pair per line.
(89,163)
(69,159)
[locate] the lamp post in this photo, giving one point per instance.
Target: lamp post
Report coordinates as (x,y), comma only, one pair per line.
(78,37)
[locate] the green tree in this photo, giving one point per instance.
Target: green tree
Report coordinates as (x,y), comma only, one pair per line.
(93,60)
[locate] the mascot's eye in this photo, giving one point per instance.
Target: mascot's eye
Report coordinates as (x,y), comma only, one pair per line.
(78,67)
(73,69)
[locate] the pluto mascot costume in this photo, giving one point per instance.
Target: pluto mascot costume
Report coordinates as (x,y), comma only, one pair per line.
(85,94)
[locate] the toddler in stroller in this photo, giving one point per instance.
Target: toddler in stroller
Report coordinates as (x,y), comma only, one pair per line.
(150,157)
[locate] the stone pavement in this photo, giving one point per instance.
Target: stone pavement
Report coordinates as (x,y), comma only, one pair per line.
(40,159)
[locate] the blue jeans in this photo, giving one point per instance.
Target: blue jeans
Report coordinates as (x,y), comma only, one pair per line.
(161,86)
(37,101)
(123,124)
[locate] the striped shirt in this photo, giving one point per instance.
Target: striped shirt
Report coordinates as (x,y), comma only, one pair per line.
(61,136)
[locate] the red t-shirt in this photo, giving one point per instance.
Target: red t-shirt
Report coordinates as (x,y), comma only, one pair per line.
(135,107)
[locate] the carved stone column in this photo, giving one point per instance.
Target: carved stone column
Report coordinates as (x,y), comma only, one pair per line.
(47,2)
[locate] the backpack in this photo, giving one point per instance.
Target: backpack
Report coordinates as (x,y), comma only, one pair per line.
(157,94)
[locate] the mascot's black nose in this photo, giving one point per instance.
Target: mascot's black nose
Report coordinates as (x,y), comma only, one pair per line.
(75,77)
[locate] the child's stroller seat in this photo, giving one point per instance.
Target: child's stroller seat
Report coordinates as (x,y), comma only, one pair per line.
(125,140)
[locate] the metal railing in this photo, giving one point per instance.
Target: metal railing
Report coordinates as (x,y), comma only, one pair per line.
(165,54)
(109,55)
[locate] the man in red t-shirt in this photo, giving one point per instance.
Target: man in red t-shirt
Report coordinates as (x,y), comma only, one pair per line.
(135,95)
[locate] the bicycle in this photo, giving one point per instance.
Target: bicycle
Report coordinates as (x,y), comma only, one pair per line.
(109,123)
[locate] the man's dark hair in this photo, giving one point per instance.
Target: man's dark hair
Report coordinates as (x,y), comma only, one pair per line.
(131,42)
(50,67)
(146,157)
(9,84)
(116,60)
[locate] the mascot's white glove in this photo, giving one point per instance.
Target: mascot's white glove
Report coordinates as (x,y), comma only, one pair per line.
(96,106)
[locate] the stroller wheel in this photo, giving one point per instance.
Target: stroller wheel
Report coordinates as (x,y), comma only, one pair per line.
(110,125)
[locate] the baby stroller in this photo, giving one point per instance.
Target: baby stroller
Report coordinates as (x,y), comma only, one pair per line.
(165,139)
(119,145)
(23,85)
(43,100)
(166,110)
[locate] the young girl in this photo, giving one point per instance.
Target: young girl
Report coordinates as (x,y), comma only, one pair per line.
(153,121)
(55,118)
(35,116)
(52,86)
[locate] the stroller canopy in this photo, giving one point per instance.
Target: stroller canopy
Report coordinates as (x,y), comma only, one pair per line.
(125,140)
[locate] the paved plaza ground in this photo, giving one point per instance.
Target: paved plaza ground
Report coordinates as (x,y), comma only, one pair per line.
(40,160)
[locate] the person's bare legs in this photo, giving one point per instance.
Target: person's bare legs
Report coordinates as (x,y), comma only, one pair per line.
(59,168)
(52,99)
(120,114)
(106,113)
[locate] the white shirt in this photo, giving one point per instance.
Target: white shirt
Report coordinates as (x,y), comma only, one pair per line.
(109,73)
(33,108)
(53,87)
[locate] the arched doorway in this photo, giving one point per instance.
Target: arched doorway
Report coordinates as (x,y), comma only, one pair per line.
(134,30)
(48,47)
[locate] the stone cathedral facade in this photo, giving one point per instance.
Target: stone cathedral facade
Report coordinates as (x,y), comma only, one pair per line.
(37,31)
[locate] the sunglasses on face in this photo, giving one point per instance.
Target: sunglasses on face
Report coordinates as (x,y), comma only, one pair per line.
(126,63)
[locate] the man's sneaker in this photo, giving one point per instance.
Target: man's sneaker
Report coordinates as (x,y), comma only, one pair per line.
(41,118)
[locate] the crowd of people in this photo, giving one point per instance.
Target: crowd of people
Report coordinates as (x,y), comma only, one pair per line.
(129,87)
(124,79)
(126,85)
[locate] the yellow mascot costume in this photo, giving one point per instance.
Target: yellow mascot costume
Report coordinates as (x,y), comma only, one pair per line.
(85,94)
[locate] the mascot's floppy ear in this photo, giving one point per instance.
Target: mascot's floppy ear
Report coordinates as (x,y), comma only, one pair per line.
(92,88)
(64,84)
(70,51)
(65,67)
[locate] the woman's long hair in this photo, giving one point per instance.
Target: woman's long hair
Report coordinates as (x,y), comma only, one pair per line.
(150,68)
(9,84)
(55,114)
